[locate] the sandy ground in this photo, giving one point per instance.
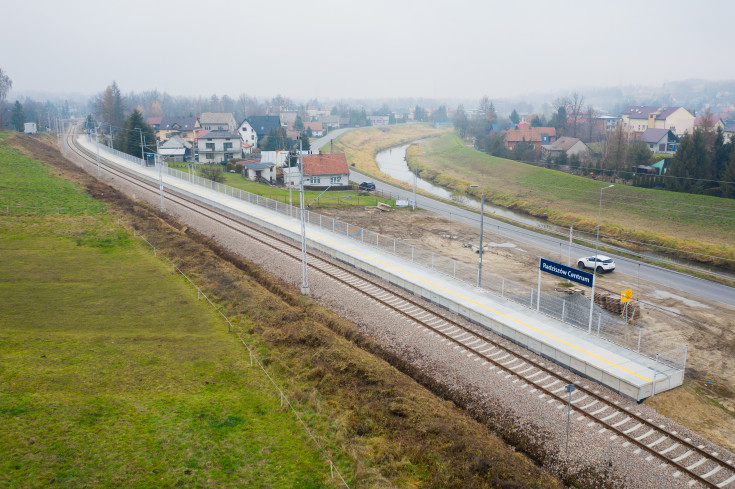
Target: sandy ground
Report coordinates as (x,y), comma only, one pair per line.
(706,402)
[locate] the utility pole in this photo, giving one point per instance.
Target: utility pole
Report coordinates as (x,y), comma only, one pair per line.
(304,269)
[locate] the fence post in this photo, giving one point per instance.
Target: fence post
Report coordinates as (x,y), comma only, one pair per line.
(638,350)
(394,246)
(599,321)
(332,224)
(412,246)
(377,240)
(454,272)
(502,289)
(198,294)
(563,309)
(154,251)
(531,304)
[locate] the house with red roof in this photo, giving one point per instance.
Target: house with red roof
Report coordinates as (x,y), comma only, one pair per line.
(537,136)
(320,172)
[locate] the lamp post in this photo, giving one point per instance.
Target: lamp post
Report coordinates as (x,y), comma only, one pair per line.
(594,267)
(482,222)
(304,268)
(97,140)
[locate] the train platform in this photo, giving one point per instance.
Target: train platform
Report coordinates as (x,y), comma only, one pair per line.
(623,370)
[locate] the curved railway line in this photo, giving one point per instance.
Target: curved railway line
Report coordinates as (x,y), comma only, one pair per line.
(547,381)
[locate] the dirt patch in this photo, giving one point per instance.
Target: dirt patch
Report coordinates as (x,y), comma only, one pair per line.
(707,327)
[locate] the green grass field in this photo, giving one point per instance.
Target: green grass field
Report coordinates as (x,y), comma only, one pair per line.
(112,374)
(564,198)
(332,198)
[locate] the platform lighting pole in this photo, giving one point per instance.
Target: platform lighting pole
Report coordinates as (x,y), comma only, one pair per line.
(594,267)
(415,183)
(97,140)
(482,222)
(160,179)
(304,268)
(142,156)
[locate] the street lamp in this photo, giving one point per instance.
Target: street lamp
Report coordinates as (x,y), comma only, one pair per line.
(482,221)
(594,268)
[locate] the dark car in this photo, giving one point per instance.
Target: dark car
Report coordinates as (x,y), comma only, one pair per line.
(367,186)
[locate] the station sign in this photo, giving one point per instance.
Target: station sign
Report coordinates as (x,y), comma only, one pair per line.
(570,273)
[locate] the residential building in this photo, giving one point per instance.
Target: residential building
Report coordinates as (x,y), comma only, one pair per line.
(184,128)
(717,122)
(606,123)
(288,116)
(262,125)
(317,129)
(330,121)
(728,132)
(537,136)
(176,149)
(320,172)
(379,120)
(248,135)
(154,122)
(660,140)
(219,147)
(258,171)
(572,146)
(636,119)
(218,121)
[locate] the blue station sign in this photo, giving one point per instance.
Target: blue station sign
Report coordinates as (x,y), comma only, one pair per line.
(563,271)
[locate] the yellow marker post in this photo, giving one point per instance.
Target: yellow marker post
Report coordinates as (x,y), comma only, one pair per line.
(626,295)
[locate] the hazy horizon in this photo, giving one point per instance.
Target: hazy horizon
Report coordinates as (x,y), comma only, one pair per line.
(333,50)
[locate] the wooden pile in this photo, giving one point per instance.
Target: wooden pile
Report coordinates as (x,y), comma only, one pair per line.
(612,303)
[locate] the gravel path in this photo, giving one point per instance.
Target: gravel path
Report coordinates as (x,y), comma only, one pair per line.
(511,407)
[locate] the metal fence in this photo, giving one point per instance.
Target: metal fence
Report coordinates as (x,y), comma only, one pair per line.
(573,310)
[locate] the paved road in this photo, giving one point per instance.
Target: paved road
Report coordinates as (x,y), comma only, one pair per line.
(554,246)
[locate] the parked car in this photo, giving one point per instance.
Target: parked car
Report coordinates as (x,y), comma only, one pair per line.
(604,263)
(367,186)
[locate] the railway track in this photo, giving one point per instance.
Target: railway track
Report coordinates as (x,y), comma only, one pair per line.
(654,442)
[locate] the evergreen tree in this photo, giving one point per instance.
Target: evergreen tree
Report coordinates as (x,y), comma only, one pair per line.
(639,154)
(514,117)
(728,176)
(305,142)
(298,124)
(129,139)
(18,117)
(691,165)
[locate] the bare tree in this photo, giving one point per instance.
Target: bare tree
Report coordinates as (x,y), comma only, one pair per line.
(487,109)
(574,109)
(5,85)
(591,114)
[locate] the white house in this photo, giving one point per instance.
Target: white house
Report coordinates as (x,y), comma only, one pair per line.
(248,135)
(218,146)
(259,171)
(660,140)
(320,172)
(218,121)
(637,119)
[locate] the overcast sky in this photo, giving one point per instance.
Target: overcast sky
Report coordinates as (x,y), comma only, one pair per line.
(368,49)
